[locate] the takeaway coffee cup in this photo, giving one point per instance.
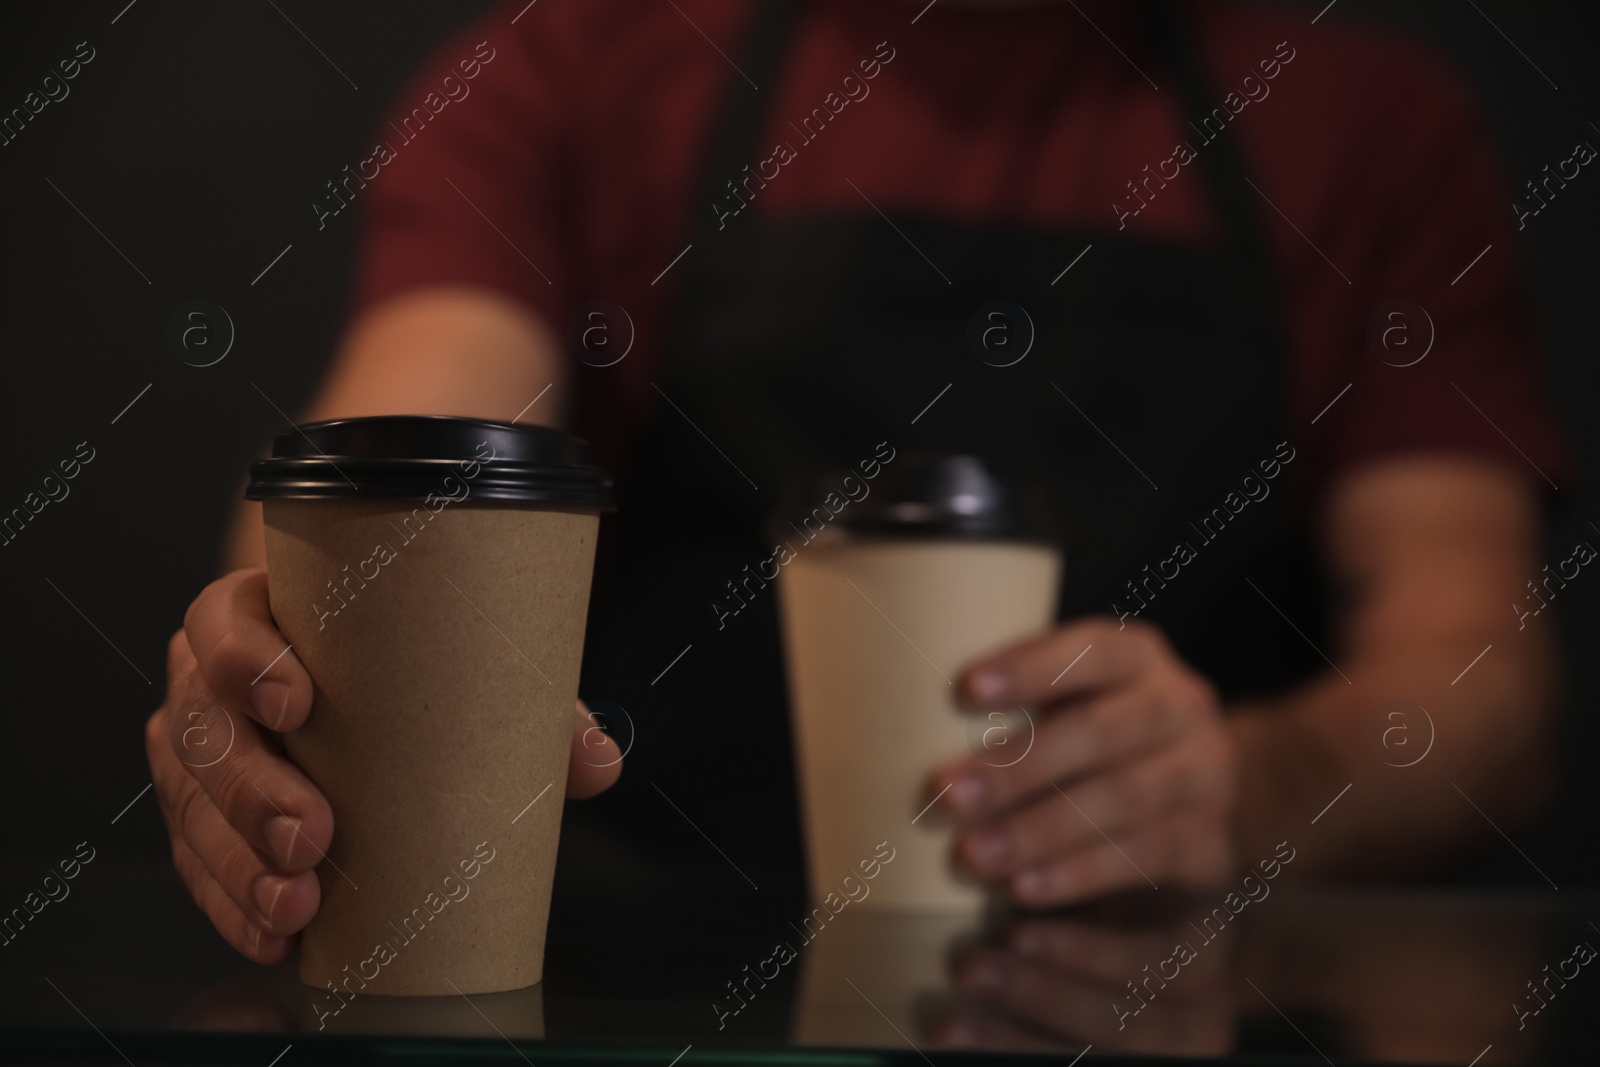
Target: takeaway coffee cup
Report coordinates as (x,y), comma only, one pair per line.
(917,574)
(433,575)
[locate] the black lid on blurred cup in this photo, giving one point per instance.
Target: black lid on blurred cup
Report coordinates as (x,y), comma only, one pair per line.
(410,456)
(919,495)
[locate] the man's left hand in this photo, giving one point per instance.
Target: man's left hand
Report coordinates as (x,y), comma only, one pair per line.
(1130,780)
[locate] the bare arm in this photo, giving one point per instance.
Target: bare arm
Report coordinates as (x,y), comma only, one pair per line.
(436,351)
(1434,552)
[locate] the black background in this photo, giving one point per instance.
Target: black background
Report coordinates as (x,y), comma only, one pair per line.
(197,140)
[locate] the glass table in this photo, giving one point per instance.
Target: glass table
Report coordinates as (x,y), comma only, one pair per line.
(681,966)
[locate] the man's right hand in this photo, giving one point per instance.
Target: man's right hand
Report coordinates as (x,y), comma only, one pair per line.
(247,826)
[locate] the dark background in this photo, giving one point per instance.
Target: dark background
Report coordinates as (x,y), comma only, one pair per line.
(196,141)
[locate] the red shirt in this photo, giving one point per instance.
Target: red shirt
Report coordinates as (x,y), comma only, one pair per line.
(561,172)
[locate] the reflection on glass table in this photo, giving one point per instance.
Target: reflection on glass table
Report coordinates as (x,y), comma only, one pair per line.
(688,962)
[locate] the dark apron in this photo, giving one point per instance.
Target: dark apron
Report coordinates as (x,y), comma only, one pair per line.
(1154,385)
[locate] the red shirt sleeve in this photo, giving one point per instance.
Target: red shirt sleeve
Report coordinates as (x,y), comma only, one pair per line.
(473,193)
(1440,236)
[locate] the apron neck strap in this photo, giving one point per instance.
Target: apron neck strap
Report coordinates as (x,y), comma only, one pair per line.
(1170,34)
(739,122)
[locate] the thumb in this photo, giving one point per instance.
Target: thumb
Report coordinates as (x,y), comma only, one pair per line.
(596,762)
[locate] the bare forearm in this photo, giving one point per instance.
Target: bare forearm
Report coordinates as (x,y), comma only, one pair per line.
(1417,748)
(1443,697)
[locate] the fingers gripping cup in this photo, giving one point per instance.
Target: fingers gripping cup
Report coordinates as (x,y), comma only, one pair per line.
(433,576)
(938,565)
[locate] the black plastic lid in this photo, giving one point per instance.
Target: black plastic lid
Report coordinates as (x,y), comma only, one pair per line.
(936,496)
(413,455)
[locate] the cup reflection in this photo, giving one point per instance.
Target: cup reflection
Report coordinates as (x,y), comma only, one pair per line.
(272,1000)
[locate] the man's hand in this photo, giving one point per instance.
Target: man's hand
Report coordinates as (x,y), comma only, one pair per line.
(247,826)
(1130,780)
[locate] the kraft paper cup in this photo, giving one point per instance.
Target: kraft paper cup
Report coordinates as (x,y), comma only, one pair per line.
(882,609)
(433,576)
